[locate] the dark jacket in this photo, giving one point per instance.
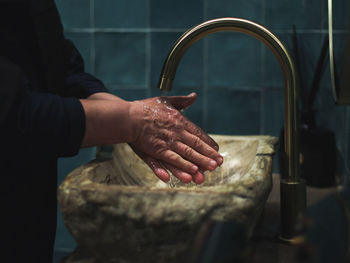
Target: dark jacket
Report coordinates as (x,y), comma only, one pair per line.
(41,78)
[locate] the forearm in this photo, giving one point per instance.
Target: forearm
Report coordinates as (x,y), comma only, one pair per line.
(107,121)
(104,96)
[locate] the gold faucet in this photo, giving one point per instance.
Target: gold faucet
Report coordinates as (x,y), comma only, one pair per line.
(293,188)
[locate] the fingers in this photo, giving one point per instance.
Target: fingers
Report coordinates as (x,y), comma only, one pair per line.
(193,156)
(181,175)
(203,148)
(155,166)
(158,168)
(174,159)
(198,178)
(195,130)
(181,102)
(184,177)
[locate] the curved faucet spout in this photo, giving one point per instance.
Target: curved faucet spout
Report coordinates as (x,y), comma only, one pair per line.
(295,192)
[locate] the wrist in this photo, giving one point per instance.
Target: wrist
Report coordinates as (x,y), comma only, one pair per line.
(134,115)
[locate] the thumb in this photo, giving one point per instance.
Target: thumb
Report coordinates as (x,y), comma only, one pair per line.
(182,102)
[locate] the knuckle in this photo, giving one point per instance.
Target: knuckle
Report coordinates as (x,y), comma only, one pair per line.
(197,143)
(173,158)
(160,148)
(197,131)
(188,152)
(177,114)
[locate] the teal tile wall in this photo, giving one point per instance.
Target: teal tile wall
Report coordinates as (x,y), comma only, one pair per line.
(121,13)
(177,14)
(238,80)
(233,61)
(252,10)
(82,42)
(304,14)
(75,14)
(120,58)
(233,104)
(190,70)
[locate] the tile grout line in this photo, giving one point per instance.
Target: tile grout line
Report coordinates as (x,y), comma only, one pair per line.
(205,74)
(148,51)
(181,30)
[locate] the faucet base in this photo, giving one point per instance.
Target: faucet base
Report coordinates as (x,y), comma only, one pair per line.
(293,206)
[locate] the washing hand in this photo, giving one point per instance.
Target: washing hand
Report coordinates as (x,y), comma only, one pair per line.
(156,131)
(167,139)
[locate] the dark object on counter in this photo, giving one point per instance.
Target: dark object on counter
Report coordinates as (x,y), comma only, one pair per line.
(317,145)
(317,154)
(325,231)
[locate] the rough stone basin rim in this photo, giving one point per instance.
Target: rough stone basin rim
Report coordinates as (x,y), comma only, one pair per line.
(120,210)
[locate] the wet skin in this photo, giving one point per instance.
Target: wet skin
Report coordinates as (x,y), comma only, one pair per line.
(156,130)
(167,139)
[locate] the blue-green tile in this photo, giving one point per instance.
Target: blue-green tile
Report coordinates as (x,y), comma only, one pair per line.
(82,42)
(121,13)
(121,58)
(341,15)
(176,14)
(309,49)
(129,94)
(331,116)
(66,165)
(284,14)
(310,46)
(339,43)
(190,69)
(233,60)
(251,10)
(235,112)
(273,111)
(74,14)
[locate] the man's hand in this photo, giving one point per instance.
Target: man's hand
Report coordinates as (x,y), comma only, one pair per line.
(167,139)
(156,131)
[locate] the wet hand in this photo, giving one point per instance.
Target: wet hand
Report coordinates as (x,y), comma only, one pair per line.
(164,138)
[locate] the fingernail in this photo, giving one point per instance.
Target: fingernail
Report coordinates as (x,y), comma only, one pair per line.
(216,147)
(212,164)
(194,168)
(198,178)
(219,160)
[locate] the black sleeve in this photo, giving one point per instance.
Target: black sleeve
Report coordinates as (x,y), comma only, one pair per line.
(51,123)
(54,123)
(11,85)
(78,83)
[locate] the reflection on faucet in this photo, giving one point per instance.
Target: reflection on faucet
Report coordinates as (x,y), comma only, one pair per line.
(293,189)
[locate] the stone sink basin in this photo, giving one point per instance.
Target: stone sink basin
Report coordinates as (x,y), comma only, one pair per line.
(119,211)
